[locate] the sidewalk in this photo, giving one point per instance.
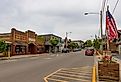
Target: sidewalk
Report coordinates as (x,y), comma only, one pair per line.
(22,56)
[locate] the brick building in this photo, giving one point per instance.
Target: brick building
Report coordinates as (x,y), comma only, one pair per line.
(22,42)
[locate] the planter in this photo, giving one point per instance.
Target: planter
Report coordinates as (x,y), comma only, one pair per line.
(108,72)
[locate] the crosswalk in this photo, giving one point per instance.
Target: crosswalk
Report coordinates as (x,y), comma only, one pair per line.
(79,74)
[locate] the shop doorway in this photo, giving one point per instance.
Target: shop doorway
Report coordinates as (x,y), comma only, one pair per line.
(32,48)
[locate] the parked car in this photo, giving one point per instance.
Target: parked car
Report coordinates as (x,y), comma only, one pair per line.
(65,50)
(89,52)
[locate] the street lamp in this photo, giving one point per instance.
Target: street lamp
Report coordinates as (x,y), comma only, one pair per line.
(68,33)
(90,13)
(101,47)
(100,20)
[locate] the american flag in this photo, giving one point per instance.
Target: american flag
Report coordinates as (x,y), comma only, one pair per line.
(111,28)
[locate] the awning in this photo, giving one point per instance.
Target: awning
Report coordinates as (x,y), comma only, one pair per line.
(8,42)
(20,43)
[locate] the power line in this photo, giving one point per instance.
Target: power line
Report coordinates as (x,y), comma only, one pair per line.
(115,6)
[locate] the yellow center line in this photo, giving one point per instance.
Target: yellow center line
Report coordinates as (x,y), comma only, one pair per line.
(94,74)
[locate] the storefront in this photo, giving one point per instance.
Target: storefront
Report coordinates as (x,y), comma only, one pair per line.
(19,48)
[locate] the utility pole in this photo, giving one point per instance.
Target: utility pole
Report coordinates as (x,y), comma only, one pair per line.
(101,24)
(101,47)
(66,39)
(66,42)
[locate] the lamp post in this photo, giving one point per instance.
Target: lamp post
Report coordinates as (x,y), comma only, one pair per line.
(66,39)
(67,33)
(100,20)
(101,47)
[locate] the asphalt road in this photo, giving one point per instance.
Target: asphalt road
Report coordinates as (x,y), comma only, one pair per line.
(34,69)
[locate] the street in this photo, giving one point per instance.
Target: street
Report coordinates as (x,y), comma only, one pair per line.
(34,69)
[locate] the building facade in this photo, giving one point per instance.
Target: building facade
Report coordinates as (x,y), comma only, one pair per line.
(48,46)
(21,42)
(79,42)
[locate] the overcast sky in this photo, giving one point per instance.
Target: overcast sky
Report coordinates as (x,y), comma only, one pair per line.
(55,16)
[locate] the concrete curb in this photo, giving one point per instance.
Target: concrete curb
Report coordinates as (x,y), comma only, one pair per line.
(21,56)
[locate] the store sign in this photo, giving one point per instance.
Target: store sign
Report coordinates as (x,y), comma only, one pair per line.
(31,39)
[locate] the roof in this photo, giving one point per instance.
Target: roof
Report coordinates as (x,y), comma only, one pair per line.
(50,35)
(4,34)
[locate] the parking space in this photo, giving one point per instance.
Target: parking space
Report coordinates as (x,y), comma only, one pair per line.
(79,74)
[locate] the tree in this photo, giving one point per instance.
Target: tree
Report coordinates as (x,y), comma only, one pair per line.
(54,42)
(76,45)
(3,46)
(40,40)
(96,43)
(73,45)
(88,43)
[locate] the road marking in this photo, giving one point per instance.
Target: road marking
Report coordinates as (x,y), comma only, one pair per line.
(57,80)
(52,55)
(47,58)
(72,75)
(83,74)
(33,58)
(68,77)
(47,77)
(8,61)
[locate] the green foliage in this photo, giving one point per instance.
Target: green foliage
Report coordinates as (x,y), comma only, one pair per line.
(41,39)
(54,41)
(96,43)
(3,46)
(69,41)
(88,43)
(73,45)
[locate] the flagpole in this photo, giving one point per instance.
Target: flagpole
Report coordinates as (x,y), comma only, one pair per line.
(108,46)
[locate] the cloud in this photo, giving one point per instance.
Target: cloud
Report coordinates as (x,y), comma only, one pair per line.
(53,16)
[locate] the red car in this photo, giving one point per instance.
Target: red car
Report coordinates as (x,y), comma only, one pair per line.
(89,52)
